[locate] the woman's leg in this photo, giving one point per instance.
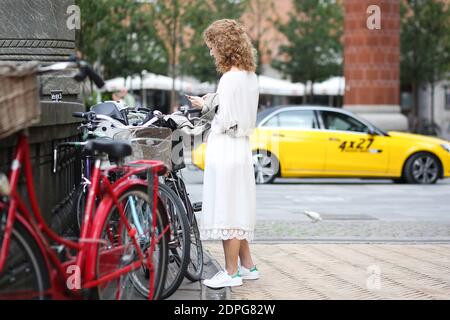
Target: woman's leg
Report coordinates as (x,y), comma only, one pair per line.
(244,255)
(231,250)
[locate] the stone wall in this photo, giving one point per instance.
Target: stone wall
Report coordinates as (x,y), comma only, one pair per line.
(37,30)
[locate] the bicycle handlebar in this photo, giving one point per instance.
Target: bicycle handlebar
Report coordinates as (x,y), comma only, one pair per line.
(91,116)
(79,115)
(192,110)
(84,70)
(144,109)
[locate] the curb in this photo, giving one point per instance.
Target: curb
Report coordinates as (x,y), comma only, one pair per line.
(210,268)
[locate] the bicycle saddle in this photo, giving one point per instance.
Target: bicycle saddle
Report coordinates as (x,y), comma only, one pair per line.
(114,149)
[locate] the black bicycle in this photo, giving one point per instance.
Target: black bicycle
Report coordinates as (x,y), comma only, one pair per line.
(174,180)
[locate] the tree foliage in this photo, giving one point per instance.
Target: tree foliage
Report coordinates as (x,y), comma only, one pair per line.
(425,44)
(121,36)
(165,37)
(313,51)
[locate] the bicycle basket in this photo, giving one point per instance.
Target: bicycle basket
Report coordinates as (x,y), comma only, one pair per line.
(149,144)
(19,97)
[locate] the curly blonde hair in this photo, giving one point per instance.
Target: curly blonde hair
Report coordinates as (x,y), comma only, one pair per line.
(232,45)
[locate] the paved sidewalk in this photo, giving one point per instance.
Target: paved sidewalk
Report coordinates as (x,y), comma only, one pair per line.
(345,271)
(196,291)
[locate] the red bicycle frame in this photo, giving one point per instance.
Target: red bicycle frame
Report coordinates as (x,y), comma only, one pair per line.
(85,259)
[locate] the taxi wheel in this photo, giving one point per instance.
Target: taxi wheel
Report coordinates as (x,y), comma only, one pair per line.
(422,168)
(266,166)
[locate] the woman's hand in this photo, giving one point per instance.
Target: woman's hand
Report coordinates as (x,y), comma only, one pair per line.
(197,102)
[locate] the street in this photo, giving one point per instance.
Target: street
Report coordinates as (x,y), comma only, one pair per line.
(351,209)
(376,240)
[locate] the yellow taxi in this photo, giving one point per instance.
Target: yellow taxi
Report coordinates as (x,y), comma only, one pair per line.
(312,141)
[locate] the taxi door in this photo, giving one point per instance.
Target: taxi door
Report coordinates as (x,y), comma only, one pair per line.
(301,145)
(351,149)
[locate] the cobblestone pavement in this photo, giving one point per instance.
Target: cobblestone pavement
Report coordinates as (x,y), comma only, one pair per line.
(367,231)
(345,271)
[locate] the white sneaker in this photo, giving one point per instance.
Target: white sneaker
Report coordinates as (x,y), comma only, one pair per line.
(223,279)
(249,274)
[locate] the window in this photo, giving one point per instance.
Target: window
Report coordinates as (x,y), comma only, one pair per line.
(300,119)
(447,97)
(342,122)
(272,122)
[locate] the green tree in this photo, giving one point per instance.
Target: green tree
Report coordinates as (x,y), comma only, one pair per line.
(170,22)
(425,48)
(314,50)
(120,35)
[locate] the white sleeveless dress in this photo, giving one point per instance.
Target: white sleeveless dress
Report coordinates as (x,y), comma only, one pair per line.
(229,192)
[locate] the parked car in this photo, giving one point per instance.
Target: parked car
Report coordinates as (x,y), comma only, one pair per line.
(313,141)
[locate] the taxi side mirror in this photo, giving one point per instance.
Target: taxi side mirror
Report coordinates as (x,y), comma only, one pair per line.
(371,131)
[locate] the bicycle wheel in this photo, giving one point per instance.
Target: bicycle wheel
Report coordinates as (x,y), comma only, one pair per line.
(195,267)
(179,245)
(117,250)
(79,205)
(25,274)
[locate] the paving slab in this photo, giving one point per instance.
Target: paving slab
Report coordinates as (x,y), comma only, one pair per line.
(345,271)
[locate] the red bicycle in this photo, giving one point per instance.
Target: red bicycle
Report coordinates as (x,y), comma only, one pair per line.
(110,258)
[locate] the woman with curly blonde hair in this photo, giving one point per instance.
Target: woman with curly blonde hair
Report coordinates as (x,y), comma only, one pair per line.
(229,196)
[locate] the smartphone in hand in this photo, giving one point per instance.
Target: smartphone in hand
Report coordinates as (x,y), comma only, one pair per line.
(185,100)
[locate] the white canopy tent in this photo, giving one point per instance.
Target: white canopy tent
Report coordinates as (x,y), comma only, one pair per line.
(150,81)
(334,86)
(279,87)
(267,85)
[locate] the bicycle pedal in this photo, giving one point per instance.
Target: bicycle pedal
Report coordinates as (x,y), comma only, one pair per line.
(174,244)
(58,248)
(197,206)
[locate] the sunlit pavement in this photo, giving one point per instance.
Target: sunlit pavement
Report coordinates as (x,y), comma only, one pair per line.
(376,240)
(345,271)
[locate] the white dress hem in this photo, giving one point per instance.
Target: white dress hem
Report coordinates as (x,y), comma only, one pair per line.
(226,234)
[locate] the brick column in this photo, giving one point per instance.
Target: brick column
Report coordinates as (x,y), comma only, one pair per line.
(372,63)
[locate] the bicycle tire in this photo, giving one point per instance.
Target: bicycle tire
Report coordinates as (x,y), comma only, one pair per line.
(79,206)
(130,278)
(24,258)
(194,270)
(195,265)
(179,247)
